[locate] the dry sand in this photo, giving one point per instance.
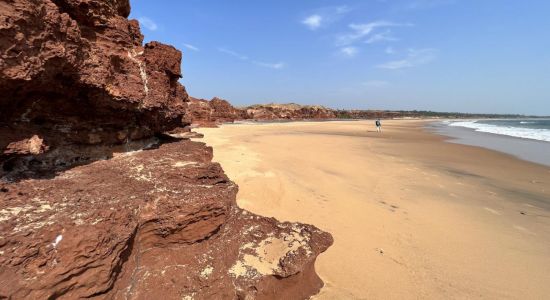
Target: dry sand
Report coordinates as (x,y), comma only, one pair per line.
(412,216)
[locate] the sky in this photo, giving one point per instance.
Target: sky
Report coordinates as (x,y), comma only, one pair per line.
(479,56)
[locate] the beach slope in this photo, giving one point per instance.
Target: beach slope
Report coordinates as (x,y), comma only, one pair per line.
(412,216)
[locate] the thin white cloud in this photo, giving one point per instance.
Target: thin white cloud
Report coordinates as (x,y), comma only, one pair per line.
(381,37)
(415,57)
(360,31)
(275,66)
(148,23)
(344,9)
(324,16)
(349,51)
(425,4)
(376,83)
(233,53)
(313,22)
(390,50)
(191,47)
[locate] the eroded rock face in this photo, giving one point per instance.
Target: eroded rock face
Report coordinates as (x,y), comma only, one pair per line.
(210,113)
(74,72)
(145,225)
(34,145)
(101,195)
(216,111)
(289,112)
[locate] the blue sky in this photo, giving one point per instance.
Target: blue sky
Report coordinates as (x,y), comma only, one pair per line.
(446,55)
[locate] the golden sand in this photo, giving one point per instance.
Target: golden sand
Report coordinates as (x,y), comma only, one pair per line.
(412,215)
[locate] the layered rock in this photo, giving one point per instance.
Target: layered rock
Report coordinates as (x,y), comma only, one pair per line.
(74,72)
(210,113)
(97,198)
(290,111)
(216,111)
(145,225)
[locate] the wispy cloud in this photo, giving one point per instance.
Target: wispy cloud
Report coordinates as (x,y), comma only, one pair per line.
(233,53)
(313,22)
(349,51)
(324,16)
(381,37)
(362,31)
(275,66)
(415,57)
(424,4)
(376,83)
(343,9)
(191,47)
(390,50)
(148,23)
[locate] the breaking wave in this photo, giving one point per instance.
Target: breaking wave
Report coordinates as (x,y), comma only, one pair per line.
(509,128)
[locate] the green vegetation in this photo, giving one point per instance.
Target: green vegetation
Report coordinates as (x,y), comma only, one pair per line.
(388,114)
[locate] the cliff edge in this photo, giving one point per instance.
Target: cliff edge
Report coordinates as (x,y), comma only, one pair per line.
(100,194)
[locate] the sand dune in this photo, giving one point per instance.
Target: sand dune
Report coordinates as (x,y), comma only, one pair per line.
(412,216)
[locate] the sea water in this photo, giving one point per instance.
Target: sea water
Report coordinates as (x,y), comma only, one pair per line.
(528,139)
(534,129)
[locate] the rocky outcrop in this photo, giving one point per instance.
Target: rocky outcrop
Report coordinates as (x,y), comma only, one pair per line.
(290,111)
(75,73)
(211,113)
(102,195)
(154,224)
(207,113)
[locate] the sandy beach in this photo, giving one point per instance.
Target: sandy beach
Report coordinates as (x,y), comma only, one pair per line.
(412,215)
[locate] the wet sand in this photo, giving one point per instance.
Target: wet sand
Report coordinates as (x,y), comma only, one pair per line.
(526,149)
(412,216)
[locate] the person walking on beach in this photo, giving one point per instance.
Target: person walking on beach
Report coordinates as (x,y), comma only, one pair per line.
(378,125)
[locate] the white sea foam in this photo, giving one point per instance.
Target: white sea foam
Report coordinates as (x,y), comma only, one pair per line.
(526,133)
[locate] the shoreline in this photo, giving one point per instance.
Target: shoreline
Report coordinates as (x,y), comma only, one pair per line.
(531,150)
(515,146)
(411,214)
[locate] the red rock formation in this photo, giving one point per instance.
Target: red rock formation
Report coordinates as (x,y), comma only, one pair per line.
(74,72)
(155,224)
(84,216)
(34,145)
(211,113)
(289,112)
(206,113)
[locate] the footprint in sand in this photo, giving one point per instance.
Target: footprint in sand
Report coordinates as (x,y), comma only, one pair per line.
(390,207)
(494,212)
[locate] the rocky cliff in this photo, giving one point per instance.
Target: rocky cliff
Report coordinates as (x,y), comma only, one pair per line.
(209,113)
(290,111)
(97,197)
(154,224)
(217,111)
(75,73)
(204,110)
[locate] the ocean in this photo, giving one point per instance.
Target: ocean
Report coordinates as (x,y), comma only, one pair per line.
(528,139)
(534,129)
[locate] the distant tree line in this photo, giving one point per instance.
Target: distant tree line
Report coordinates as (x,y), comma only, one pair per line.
(390,114)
